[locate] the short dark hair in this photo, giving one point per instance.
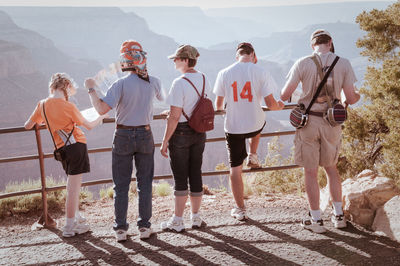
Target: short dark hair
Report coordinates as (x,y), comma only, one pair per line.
(191,62)
(244,48)
(321,39)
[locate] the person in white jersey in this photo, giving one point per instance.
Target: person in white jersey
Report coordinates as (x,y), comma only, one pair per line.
(243,85)
(318,143)
(185,145)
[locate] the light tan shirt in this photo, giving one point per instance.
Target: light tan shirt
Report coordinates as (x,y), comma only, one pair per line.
(305,71)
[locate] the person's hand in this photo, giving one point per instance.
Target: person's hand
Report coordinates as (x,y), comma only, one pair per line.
(166,113)
(106,115)
(89,83)
(163,149)
(280,105)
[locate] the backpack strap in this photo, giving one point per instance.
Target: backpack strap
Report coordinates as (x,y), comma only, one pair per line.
(321,84)
(200,96)
(51,134)
(328,94)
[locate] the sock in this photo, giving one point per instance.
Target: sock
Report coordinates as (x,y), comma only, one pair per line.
(337,208)
(195,215)
(315,215)
(70,221)
(177,218)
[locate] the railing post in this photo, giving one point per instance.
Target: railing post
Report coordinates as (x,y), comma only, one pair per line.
(45,220)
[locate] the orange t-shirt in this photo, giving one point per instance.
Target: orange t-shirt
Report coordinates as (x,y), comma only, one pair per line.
(61,115)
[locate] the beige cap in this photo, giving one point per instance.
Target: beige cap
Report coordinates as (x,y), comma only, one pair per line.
(319,32)
(185,51)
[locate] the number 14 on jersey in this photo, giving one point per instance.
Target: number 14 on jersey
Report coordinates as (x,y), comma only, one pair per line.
(244,94)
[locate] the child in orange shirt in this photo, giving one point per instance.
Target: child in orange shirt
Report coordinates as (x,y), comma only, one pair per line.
(62,118)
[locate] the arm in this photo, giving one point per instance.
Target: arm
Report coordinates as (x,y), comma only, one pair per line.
(159,92)
(219,103)
(29,124)
(89,125)
(100,106)
(351,93)
(34,118)
(172,122)
(287,90)
(272,103)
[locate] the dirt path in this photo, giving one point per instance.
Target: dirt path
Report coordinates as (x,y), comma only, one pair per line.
(271,237)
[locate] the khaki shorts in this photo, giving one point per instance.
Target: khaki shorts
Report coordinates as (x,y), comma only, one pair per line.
(317,144)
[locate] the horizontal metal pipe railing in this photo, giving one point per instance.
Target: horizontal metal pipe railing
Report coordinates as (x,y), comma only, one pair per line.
(107,149)
(112,120)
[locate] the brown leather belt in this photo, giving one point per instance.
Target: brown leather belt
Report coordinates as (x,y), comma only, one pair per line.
(320,114)
(147,127)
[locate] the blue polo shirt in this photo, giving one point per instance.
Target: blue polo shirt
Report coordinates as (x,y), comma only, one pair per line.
(132,99)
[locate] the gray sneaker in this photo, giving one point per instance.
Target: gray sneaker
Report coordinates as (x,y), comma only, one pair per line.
(76,228)
(197,222)
(173,225)
(145,233)
(315,226)
(121,235)
(239,214)
(339,221)
(80,219)
(253,162)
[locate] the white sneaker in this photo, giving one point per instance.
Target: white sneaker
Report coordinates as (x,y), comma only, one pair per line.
(121,235)
(80,219)
(339,221)
(197,222)
(315,226)
(145,233)
(252,161)
(239,214)
(173,225)
(76,228)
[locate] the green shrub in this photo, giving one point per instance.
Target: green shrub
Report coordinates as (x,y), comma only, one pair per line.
(162,189)
(284,181)
(370,136)
(32,203)
(106,193)
(247,187)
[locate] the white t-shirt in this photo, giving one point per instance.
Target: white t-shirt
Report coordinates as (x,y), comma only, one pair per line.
(244,86)
(183,95)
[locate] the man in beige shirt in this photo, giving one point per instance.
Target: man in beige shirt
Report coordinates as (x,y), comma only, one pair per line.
(318,143)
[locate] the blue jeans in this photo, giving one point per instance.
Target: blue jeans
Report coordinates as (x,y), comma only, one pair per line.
(132,144)
(186,148)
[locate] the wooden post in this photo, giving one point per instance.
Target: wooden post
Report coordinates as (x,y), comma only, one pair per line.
(45,220)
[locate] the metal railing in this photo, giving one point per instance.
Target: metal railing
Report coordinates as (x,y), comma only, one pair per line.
(46,220)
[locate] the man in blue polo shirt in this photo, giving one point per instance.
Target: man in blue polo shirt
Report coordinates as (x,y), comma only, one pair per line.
(132,97)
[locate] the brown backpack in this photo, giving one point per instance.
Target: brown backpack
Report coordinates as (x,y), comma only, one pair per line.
(202,118)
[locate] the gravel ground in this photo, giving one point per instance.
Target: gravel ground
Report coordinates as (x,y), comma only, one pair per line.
(272,236)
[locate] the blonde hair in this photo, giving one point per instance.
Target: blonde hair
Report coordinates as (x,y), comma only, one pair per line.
(61,81)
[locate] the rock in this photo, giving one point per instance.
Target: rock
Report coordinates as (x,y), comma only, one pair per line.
(362,196)
(387,219)
(366,173)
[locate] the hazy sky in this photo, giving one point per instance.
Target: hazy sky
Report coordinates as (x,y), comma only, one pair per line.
(200,3)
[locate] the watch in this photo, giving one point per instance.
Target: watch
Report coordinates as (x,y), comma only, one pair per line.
(90,90)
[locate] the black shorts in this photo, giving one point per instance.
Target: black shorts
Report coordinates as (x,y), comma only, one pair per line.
(236,144)
(77,159)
